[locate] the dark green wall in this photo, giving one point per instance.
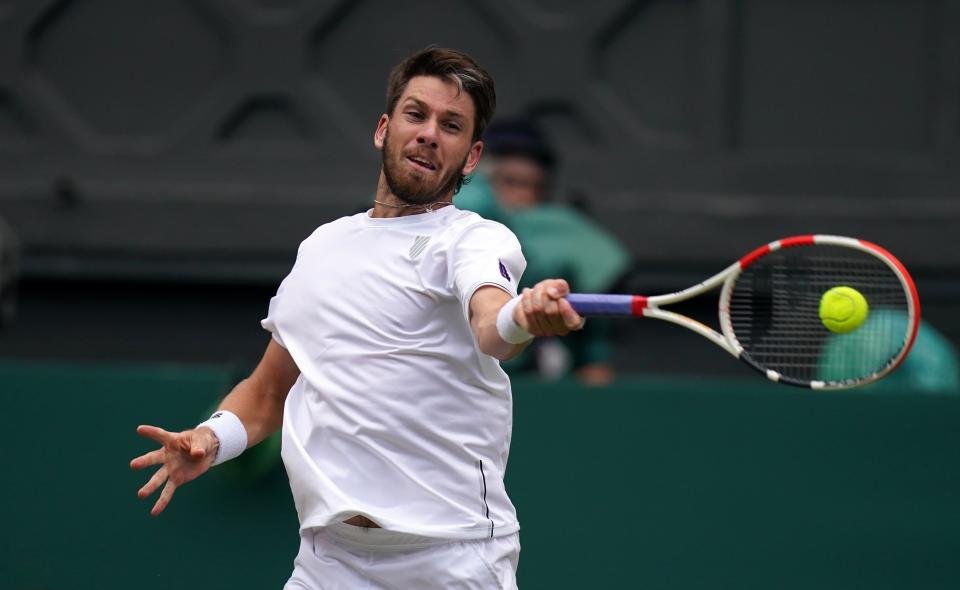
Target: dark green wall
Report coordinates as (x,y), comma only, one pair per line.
(652,484)
(71,497)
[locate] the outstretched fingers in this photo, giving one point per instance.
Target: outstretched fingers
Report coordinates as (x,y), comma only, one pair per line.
(148,459)
(182,457)
(154,482)
(164,498)
(155,434)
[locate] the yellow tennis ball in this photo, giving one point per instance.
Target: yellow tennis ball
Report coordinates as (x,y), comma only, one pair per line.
(843,309)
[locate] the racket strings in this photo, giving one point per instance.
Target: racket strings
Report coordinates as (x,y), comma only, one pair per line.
(775,305)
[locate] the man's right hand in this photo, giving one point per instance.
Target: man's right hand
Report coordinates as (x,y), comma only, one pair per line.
(543,311)
(183,457)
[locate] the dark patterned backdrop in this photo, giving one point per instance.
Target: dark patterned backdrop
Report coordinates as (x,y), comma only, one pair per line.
(206,138)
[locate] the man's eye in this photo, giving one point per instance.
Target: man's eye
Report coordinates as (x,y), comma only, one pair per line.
(415,115)
(453,126)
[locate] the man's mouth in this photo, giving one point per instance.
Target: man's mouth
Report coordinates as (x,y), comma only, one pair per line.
(422,162)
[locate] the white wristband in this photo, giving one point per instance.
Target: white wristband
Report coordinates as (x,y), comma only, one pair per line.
(508,329)
(230,432)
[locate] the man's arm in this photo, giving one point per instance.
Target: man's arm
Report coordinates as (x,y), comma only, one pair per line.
(542,311)
(257,401)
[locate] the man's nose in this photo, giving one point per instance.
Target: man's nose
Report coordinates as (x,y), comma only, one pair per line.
(428,133)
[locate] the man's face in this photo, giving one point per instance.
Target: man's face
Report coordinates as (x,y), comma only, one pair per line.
(518,181)
(426,143)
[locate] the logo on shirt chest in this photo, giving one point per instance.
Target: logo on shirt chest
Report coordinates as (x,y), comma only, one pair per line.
(419,243)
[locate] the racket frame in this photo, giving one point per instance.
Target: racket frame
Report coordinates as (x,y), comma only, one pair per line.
(651,307)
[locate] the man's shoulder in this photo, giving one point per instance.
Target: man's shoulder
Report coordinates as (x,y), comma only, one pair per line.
(462,227)
(464,220)
(336,225)
(333,229)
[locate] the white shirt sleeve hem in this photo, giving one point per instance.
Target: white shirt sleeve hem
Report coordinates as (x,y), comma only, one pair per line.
(508,289)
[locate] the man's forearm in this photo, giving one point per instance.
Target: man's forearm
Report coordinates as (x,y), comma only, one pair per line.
(258,406)
(258,400)
(492,344)
(484,308)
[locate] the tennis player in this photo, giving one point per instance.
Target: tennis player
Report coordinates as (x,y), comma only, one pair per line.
(383,365)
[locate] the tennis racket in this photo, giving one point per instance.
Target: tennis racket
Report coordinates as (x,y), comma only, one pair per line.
(770,311)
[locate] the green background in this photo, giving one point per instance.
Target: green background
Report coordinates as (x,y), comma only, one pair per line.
(652,483)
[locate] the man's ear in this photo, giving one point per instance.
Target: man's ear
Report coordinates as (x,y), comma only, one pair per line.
(380,135)
(473,158)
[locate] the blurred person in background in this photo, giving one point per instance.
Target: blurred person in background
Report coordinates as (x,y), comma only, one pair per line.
(933,365)
(383,365)
(516,187)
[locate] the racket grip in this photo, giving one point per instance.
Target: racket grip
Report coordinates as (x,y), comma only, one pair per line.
(593,304)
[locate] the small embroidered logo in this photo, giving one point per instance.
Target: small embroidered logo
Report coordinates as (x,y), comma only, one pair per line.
(418,245)
(503,270)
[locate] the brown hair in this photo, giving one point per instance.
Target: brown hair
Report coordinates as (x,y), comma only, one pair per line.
(453,66)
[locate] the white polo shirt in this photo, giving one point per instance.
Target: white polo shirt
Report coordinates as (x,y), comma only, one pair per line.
(397,415)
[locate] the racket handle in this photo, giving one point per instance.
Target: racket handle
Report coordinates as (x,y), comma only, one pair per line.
(597,304)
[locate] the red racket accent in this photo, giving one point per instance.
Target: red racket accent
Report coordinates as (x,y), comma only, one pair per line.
(749,258)
(796,241)
(637,305)
(765,249)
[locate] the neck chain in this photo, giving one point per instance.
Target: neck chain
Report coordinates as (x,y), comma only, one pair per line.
(429,207)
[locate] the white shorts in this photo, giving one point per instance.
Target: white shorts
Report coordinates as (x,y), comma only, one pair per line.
(345,557)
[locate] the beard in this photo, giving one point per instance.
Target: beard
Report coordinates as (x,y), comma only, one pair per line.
(413,188)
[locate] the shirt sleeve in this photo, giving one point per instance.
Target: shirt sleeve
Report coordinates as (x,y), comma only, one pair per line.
(277,302)
(487,253)
(269,323)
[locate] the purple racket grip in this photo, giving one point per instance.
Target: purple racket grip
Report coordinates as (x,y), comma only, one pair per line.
(597,304)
